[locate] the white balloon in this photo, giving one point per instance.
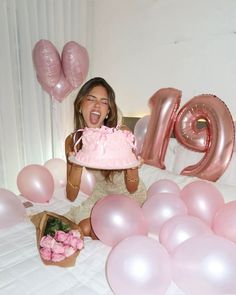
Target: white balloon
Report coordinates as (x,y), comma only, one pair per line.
(57,167)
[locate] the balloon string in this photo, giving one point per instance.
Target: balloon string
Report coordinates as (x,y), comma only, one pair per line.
(52,129)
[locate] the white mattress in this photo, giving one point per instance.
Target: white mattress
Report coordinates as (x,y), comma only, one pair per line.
(22,271)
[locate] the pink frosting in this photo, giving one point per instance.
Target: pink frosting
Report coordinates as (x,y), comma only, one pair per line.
(107,148)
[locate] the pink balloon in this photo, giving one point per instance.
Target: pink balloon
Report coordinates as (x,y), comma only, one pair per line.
(138,265)
(47,64)
(55,81)
(140,130)
(36,183)
(205,265)
(217,140)
(224,223)
(202,199)
(11,209)
(116,217)
(164,104)
(57,168)
(163,186)
(160,208)
(62,89)
(87,182)
(234,137)
(181,228)
(75,63)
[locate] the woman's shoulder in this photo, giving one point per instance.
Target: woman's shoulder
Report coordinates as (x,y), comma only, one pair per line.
(69,138)
(69,142)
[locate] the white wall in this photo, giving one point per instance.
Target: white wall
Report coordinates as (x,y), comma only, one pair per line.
(33,125)
(140,46)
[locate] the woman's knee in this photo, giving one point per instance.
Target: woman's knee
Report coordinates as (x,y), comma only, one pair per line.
(86,227)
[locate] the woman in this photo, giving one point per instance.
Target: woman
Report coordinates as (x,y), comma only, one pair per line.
(95,106)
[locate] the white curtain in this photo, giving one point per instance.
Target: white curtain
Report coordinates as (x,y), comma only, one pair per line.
(33,126)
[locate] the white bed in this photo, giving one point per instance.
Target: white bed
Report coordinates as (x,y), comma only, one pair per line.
(22,271)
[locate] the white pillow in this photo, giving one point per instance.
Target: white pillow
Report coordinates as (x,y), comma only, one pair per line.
(150,174)
(185,157)
(229,176)
(171,154)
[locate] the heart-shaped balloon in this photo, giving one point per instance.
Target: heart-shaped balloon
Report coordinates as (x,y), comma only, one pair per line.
(75,63)
(59,77)
(47,64)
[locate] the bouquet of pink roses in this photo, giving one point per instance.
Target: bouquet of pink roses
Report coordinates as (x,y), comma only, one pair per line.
(59,239)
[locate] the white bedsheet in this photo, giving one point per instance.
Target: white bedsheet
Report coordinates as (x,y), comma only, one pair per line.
(22,271)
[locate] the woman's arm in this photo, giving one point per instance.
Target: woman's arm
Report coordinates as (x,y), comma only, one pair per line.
(131,179)
(131,175)
(74,172)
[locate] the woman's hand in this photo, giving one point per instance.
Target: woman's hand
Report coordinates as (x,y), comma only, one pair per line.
(141,162)
(131,179)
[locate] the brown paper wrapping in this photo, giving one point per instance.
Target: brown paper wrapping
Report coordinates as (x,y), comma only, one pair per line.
(40,222)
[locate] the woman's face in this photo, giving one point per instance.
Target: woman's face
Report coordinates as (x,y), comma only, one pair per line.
(95,107)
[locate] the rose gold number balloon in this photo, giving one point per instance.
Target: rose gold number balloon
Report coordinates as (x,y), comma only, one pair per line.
(164,104)
(217,139)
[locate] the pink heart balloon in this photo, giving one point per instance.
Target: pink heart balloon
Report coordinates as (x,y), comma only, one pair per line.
(58,78)
(62,89)
(47,64)
(75,63)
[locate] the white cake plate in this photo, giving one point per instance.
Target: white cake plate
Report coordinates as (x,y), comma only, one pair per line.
(104,166)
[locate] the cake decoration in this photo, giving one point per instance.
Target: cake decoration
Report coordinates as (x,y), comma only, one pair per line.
(106,148)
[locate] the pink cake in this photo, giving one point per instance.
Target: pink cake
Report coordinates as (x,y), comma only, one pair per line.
(106,148)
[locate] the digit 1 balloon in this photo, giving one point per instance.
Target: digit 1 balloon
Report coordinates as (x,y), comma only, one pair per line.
(164,104)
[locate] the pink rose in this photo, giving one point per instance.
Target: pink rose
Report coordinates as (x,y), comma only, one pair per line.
(47,242)
(61,236)
(80,244)
(58,248)
(75,233)
(45,253)
(73,243)
(56,257)
(68,240)
(69,251)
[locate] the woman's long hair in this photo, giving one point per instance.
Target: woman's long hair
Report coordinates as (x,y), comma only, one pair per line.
(110,121)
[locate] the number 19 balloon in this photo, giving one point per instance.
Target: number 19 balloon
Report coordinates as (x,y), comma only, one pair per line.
(215,139)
